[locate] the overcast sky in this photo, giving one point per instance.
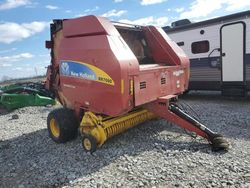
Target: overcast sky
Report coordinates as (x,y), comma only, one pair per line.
(24,24)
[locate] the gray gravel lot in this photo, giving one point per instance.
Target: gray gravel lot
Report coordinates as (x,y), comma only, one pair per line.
(154,153)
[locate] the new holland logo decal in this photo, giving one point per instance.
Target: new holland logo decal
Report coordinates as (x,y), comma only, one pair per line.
(84,71)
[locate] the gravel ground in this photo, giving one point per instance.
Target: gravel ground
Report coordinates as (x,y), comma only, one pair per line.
(154,154)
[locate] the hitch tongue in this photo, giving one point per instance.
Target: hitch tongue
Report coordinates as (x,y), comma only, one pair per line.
(173,113)
(217,141)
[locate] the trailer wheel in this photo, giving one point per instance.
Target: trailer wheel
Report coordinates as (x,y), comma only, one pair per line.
(62,125)
(89,143)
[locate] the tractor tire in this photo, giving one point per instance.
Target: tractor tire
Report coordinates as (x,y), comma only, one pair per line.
(62,125)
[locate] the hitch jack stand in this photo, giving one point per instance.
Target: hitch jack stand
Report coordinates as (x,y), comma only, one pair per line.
(171,112)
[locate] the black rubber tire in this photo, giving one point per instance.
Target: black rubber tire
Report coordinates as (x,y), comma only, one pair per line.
(67,124)
(92,141)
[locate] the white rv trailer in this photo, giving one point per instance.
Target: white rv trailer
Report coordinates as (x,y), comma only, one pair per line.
(219,52)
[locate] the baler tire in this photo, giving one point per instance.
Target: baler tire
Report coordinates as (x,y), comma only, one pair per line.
(62,125)
(89,143)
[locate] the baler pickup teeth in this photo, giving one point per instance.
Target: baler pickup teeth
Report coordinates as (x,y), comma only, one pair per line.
(96,129)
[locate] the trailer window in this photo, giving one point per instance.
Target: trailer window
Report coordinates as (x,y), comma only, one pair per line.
(180,43)
(200,47)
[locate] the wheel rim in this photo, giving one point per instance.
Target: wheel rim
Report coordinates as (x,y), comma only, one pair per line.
(54,128)
(87,144)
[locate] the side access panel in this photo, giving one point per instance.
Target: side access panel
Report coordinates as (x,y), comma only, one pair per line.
(151,84)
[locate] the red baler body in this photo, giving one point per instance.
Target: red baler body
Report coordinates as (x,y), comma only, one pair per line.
(94,68)
(114,76)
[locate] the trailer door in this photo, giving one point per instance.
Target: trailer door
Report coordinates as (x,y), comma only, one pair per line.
(232,52)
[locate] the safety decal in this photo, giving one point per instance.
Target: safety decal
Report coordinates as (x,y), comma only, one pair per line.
(84,71)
